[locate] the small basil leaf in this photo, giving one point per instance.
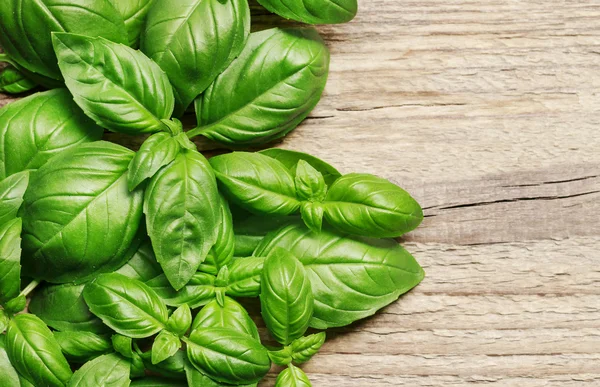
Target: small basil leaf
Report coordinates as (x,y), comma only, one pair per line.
(230,315)
(25,382)
(313,11)
(195,41)
(244,277)
(181,217)
(105,371)
(197,378)
(228,356)
(312,215)
(256,182)
(165,345)
(34,352)
(12,81)
(249,232)
(80,347)
(8,374)
(159,382)
(286,298)
(180,321)
(123,345)
(10,258)
(291,158)
(198,291)
(368,205)
(142,266)
(267,91)
(117,86)
(292,377)
(306,347)
(4,320)
(16,305)
(351,277)
(12,190)
(79,219)
(134,14)
(222,277)
(310,184)
(128,306)
(172,367)
(281,357)
(35,128)
(156,152)
(222,251)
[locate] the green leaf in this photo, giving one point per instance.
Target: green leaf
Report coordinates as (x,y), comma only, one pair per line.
(245,277)
(79,219)
(197,378)
(310,184)
(351,277)
(12,190)
(10,258)
(134,14)
(180,321)
(256,183)
(117,86)
(231,316)
(312,215)
(228,356)
(368,205)
(8,374)
(16,305)
(12,81)
(34,352)
(80,346)
(158,150)
(128,306)
(222,251)
(165,345)
(197,292)
(281,357)
(291,158)
(35,128)
(195,41)
(143,265)
(313,11)
(123,345)
(292,377)
(26,27)
(304,348)
(172,368)
(249,232)
(137,366)
(4,320)
(157,382)
(105,371)
(181,216)
(267,91)
(286,299)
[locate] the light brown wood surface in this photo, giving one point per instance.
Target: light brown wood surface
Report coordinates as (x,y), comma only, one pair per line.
(489,113)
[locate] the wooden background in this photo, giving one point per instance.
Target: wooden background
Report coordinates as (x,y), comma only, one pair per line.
(488,113)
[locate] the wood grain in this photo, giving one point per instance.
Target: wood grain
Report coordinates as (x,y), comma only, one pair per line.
(488,112)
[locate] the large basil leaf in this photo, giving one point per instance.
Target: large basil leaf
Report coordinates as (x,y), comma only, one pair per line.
(313,11)
(8,374)
(34,129)
(158,382)
(128,306)
(26,27)
(197,378)
(34,352)
(249,232)
(198,291)
(267,91)
(81,346)
(13,81)
(195,41)
(290,159)
(245,276)
(368,205)
(256,183)
(306,347)
(134,14)
(292,377)
(286,298)
(105,371)
(12,190)
(156,152)
(10,260)
(143,265)
(181,215)
(231,315)
(351,277)
(79,218)
(62,307)
(117,86)
(222,251)
(228,356)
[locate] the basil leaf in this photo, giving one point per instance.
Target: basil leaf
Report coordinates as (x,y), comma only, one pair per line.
(228,356)
(80,346)
(245,277)
(198,291)
(8,374)
(10,258)
(310,184)
(142,266)
(291,158)
(292,377)
(351,277)
(172,368)
(157,151)
(267,91)
(368,205)
(222,251)
(26,27)
(12,190)
(117,86)
(197,378)
(134,14)
(249,232)
(157,382)
(62,307)
(16,305)
(13,81)
(104,371)
(180,321)
(4,319)
(128,306)
(79,219)
(304,348)
(256,182)
(286,298)
(313,11)
(281,357)
(312,215)
(34,352)
(123,345)
(181,218)
(165,345)
(231,316)
(35,128)
(195,41)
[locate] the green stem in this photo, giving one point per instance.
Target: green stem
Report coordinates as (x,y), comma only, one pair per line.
(202,143)
(194,132)
(29,288)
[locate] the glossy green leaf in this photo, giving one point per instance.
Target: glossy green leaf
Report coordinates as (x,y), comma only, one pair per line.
(123,345)
(16,305)
(291,158)
(231,315)
(310,184)
(12,81)
(12,190)
(34,352)
(137,367)
(312,215)
(281,357)
(304,348)
(256,183)
(180,321)
(245,277)
(267,91)
(249,232)
(4,320)
(117,86)
(142,266)
(79,218)
(313,11)
(157,151)
(10,258)
(81,346)
(286,298)
(172,367)
(134,14)
(228,356)
(8,374)
(351,277)
(222,251)
(292,377)
(195,41)
(198,291)
(26,27)
(197,378)
(128,306)
(157,382)
(35,128)
(105,371)
(181,215)
(368,205)
(165,345)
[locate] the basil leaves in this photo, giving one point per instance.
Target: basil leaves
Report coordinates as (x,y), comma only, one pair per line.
(313,11)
